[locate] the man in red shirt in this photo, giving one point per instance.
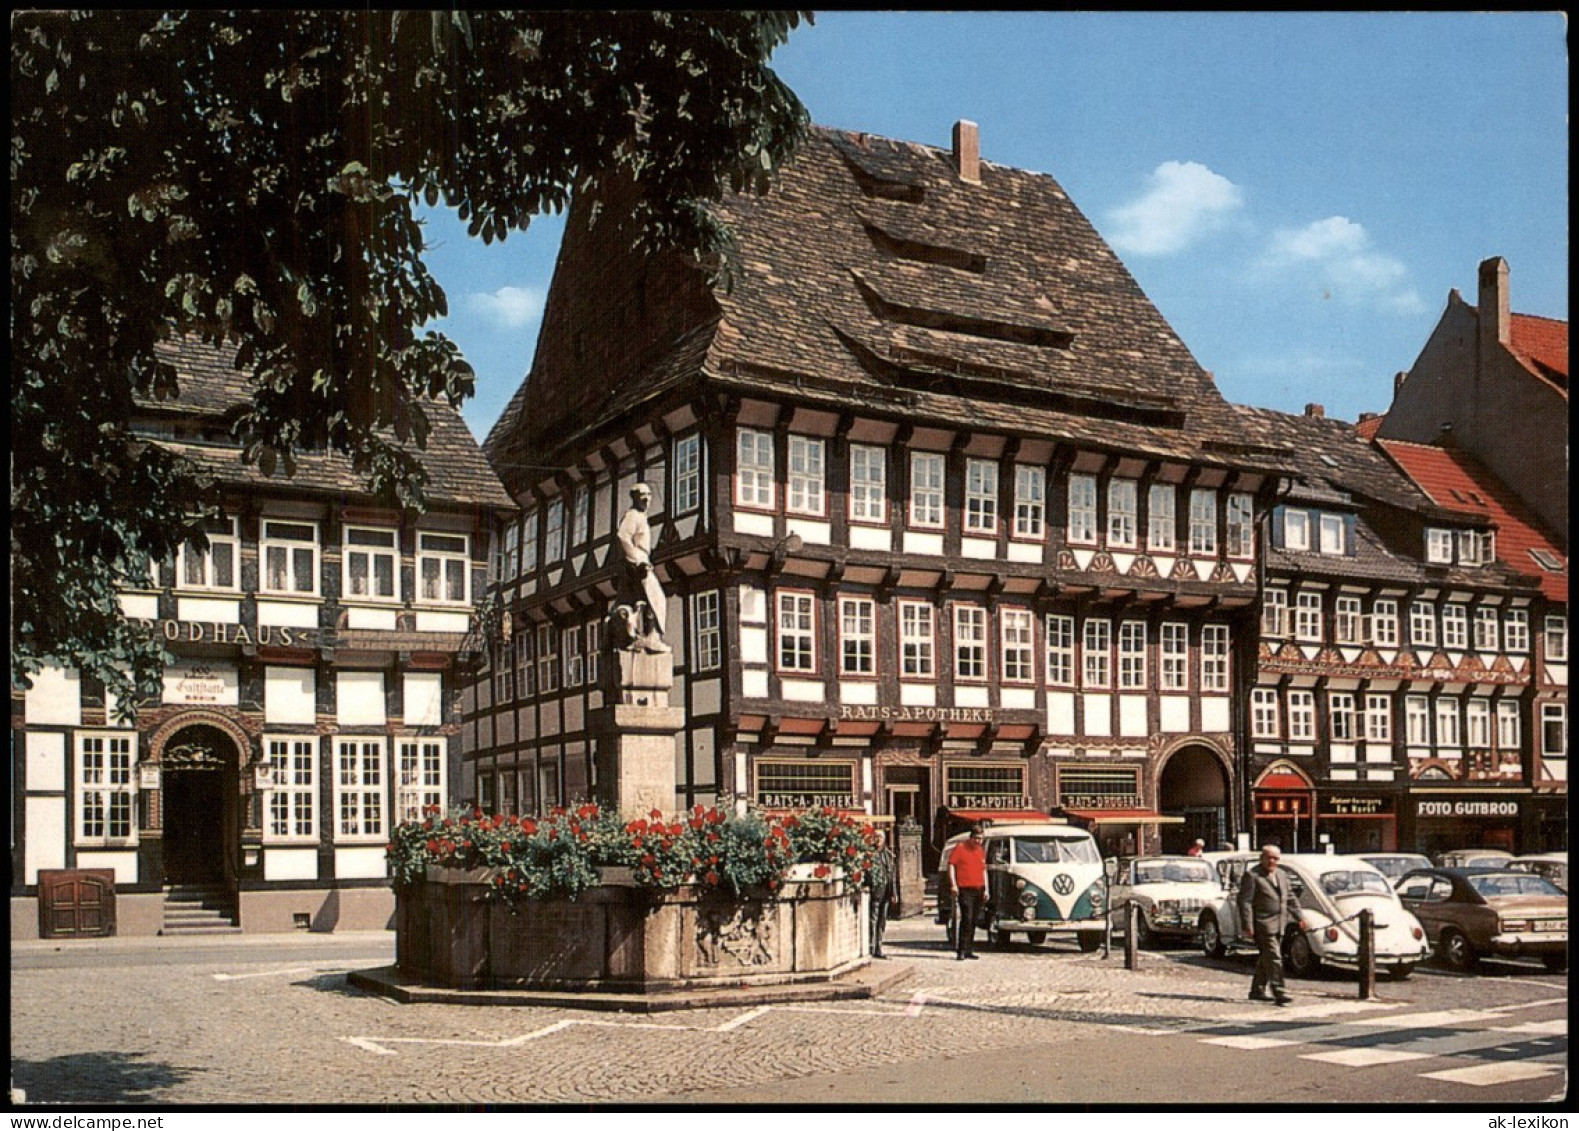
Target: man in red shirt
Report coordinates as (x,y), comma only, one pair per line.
(967,873)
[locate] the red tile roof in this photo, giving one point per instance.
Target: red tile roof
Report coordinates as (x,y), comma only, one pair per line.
(1368,427)
(1457,481)
(1542,344)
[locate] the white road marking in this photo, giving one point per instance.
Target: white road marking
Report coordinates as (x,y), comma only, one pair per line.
(1250,1044)
(918,1001)
(275,973)
(1432,1019)
(1364,1058)
(1518,1005)
(1557,1025)
(1482,1075)
(1318,1009)
(745,1018)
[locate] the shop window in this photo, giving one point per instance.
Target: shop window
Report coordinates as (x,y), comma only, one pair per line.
(291,801)
(803,784)
(984,787)
(290,557)
(1081,787)
(106,791)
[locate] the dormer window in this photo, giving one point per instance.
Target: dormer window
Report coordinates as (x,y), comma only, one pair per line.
(1476,547)
(1547,560)
(1333,534)
(1438,546)
(1296,529)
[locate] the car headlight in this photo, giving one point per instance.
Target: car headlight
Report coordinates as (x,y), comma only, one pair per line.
(1027,899)
(1028,912)
(1098,899)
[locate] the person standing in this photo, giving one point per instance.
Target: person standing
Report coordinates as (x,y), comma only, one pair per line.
(1197,848)
(967,873)
(884,877)
(1267,906)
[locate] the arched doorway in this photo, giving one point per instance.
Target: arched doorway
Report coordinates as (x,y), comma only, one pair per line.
(1193,786)
(199,779)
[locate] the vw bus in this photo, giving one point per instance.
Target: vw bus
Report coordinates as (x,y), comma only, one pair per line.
(1042,878)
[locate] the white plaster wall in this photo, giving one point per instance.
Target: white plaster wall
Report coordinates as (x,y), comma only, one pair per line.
(706,697)
(1060,712)
(1174,714)
(1132,716)
(290,863)
(423,693)
(46,836)
(1214,715)
(359,863)
(287,614)
(359,698)
(209,609)
(55,698)
(918,694)
(46,761)
(124,864)
(1098,715)
(289,695)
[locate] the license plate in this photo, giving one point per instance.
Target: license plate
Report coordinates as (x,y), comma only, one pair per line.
(1549,925)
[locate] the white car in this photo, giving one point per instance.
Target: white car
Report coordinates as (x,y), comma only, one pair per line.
(1332,890)
(1169,893)
(1552,865)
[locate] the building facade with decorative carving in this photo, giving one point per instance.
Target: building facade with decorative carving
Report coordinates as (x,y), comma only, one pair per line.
(318,646)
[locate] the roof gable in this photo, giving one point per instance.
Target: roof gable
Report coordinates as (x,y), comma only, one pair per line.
(1542,344)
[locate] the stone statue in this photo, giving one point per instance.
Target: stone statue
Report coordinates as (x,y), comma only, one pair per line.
(636,622)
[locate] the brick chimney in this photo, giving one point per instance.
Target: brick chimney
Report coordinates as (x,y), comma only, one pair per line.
(967,151)
(1495,319)
(1315,410)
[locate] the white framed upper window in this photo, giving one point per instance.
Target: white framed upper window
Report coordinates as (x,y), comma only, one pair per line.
(106,789)
(1030,501)
(1017,650)
(1342,716)
(687,473)
(370,559)
(547,659)
(1447,721)
(1307,616)
(1516,630)
(361,797)
(1378,718)
(1348,625)
(594,629)
(981,496)
(419,781)
(1477,722)
(796,626)
(1486,623)
(506,564)
(1334,534)
(1214,657)
(970,643)
(1455,627)
(917,641)
(1422,624)
(1173,656)
(291,801)
(1097,653)
(1301,715)
(926,489)
(570,641)
(858,637)
(1240,525)
(525,672)
(580,514)
(554,533)
(1477,547)
(1509,730)
(443,568)
(1082,509)
(1296,529)
(1132,655)
(1557,638)
(868,484)
(1121,513)
(1203,522)
(1438,545)
(214,568)
(1265,713)
(1060,650)
(1384,622)
(289,553)
(754,470)
(1274,612)
(708,630)
(1554,730)
(1162,517)
(807,477)
(529,542)
(1417,720)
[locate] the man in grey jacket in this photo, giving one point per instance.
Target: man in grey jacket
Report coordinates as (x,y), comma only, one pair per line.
(1266,908)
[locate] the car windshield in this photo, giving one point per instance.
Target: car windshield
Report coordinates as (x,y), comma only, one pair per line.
(1174,872)
(1394,866)
(1055,850)
(1508,883)
(1339,884)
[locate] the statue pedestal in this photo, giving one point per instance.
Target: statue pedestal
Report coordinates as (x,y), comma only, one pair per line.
(636,757)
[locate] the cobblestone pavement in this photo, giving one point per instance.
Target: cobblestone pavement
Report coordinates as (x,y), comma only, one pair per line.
(241,1027)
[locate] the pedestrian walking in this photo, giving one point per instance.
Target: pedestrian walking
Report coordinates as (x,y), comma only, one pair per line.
(885,877)
(967,873)
(1266,908)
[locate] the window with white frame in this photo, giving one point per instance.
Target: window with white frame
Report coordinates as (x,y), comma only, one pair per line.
(290,556)
(501,673)
(1334,534)
(1240,526)
(797,631)
(291,801)
(571,651)
(1509,731)
(1378,718)
(1476,547)
(1384,622)
(216,567)
(1097,653)
(547,659)
(1554,730)
(1030,500)
(1347,620)
(1132,655)
(359,789)
(106,792)
(1060,650)
(1264,715)
(1486,623)
(419,784)
(981,496)
(529,542)
(857,636)
(1214,657)
(1162,517)
(1477,723)
(371,561)
(754,469)
(510,562)
(1341,716)
(525,681)
(970,643)
(1301,715)
(1019,664)
(687,473)
(917,638)
(1274,612)
(1203,522)
(1296,529)
(806,476)
(443,568)
(709,630)
(580,514)
(868,484)
(1422,624)
(554,533)
(1082,509)
(926,489)
(1516,630)
(1438,545)
(1307,615)
(594,629)
(1447,721)
(1121,513)
(1417,720)
(1173,656)
(1455,626)
(1557,638)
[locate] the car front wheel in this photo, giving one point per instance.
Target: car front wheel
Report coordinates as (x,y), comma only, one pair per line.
(1457,952)
(1212,937)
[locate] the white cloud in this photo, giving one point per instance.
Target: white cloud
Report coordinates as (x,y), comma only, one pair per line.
(1184,202)
(507,307)
(1338,253)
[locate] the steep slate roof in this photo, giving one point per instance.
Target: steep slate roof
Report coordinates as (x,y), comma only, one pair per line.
(1542,345)
(873,278)
(1458,482)
(211,387)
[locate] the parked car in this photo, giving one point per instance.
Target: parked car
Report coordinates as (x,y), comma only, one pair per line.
(1170,893)
(1332,890)
(1473,912)
(1394,865)
(1041,879)
(1552,865)
(1474,858)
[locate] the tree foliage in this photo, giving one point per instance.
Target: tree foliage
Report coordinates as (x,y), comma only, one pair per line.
(253,179)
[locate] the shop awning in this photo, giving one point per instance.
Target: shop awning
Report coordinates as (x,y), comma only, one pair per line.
(1003,816)
(1284,783)
(1124,817)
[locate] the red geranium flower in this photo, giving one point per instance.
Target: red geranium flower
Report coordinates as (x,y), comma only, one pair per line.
(587,811)
(820,871)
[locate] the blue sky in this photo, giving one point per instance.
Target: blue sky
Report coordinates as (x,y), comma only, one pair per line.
(1296,193)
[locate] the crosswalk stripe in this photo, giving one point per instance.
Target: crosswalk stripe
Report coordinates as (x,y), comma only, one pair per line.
(1249,1043)
(1482,1075)
(1364,1057)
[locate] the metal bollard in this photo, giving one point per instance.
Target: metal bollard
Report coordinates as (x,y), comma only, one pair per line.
(1131,914)
(1367,954)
